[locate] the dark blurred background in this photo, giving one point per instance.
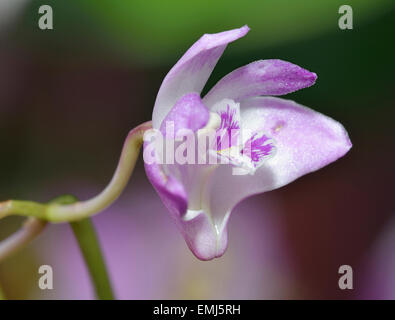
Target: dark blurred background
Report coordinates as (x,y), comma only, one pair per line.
(69,96)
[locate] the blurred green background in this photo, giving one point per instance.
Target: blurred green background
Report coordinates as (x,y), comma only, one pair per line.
(69,96)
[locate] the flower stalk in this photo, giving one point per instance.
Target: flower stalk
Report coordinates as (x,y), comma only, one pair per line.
(31,228)
(85,234)
(55,212)
(67,208)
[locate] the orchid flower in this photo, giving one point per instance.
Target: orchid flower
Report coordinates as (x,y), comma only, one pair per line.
(288,140)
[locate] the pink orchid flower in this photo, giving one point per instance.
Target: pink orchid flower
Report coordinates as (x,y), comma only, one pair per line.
(288,140)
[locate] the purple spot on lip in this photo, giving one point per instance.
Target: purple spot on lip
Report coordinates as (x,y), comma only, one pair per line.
(228,130)
(228,120)
(257,148)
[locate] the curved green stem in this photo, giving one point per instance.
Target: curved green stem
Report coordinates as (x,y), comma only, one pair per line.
(87,239)
(68,209)
(85,233)
(72,212)
(31,228)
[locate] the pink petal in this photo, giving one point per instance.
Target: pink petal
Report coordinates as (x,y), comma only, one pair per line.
(169,189)
(178,186)
(202,237)
(197,229)
(188,113)
(264,77)
(191,72)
